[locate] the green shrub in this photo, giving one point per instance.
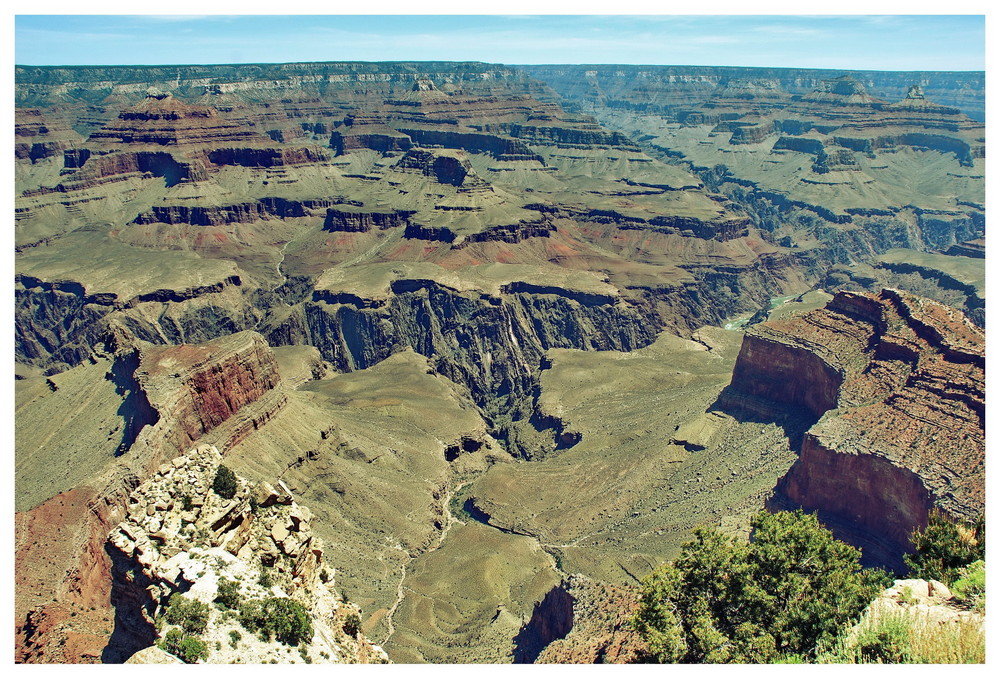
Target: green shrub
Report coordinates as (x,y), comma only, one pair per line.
(187,504)
(285,619)
(907,637)
(190,614)
(352,624)
(224,484)
(886,641)
(265,580)
(234,638)
(724,600)
(945,547)
(228,593)
(970,587)
(289,620)
(190,649)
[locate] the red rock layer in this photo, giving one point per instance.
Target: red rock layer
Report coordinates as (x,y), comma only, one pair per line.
(901,380)
(62,609)
(203,385)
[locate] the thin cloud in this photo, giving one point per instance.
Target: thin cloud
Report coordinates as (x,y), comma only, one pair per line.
(784,31)
(174,17)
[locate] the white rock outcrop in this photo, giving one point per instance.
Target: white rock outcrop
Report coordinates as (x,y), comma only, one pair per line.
(181,539)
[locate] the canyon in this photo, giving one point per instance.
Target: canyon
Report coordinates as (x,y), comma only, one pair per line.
(510,333)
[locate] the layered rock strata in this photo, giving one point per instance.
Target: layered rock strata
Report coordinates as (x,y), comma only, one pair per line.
(582,621)
(202,386)
(171,396)
(180,540)
(895,384)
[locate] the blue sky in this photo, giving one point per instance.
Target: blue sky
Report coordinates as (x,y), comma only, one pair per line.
(882,42)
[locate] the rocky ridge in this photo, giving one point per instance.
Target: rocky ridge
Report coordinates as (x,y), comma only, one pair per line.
(181,539)
(169,398)
(581,621)
(895,386)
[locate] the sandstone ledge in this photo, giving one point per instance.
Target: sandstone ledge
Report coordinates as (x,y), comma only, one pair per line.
(896,383)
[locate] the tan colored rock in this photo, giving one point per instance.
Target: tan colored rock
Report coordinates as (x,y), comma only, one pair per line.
(265,494)
(300,515)
(279,533)
(152,656)
(238,537)
(938,590)
(223,515)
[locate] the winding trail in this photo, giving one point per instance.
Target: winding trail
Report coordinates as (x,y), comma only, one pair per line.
(400,588)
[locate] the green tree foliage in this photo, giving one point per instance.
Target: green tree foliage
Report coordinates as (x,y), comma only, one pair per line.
(224,484)
(190,614)
(970,587)
(287,620)
(188,648)
(352,624)
(228,593)
(777,597)
(945,547)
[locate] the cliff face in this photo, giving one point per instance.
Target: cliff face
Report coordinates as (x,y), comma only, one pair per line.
(241,213)
(172,397)
(896,383)
(581,621)
(180,539)
(37,136)
(39,84)
(202,386)
(492,345)
(61,322)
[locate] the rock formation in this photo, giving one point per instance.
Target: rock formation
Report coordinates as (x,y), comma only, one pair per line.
(929,613)
(455,267)
(582,621)
(38,136)
(170,397)
(895,384)
(203,386)
(181,540)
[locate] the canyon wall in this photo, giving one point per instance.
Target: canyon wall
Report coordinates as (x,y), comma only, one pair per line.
(895,386)
(659,88)
(181,392)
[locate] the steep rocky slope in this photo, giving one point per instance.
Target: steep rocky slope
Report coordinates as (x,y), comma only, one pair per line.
(165,400)
(181,541)
(895,384)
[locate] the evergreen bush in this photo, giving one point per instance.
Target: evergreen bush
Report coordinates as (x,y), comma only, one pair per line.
(776,598)
(224,484)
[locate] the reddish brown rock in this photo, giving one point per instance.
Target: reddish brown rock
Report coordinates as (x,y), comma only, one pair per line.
(582,621)
(204,385)
(38,135)
(180,142)
(896,383)
(63,608)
